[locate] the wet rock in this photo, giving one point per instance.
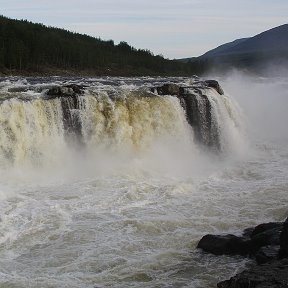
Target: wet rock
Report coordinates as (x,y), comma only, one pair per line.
(265,227)
(70,104)
(224,245)
(170,89)
(248,232)
(250,243)
(268,237)
(266,254)
(18,89)
(77,89)
(198,113)
(270,275)
(71,120)
(267,243)
(65,91)
(198,110)
(283,253)
(214,84)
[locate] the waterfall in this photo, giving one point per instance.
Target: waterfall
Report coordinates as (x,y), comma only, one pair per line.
(40,128)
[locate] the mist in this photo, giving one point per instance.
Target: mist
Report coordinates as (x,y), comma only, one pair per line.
(263,101)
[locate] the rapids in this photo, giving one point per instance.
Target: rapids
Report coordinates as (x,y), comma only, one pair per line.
(117,192)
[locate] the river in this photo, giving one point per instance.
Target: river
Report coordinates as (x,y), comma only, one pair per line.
(130,208)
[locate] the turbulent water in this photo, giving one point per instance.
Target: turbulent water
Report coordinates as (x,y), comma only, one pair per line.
(117,192)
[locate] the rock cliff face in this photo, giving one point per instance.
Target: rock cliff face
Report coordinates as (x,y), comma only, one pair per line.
(198,108)
(266,243)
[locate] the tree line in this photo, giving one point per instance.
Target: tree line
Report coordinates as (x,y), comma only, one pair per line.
(26,46)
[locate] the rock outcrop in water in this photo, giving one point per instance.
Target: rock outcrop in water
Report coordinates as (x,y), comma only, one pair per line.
(249,244)
(198,108)
(266,243)
(70,104)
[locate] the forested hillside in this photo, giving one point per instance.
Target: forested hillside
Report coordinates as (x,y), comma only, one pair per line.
(25,46)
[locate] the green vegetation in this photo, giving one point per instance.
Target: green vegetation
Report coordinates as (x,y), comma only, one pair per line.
(28,47)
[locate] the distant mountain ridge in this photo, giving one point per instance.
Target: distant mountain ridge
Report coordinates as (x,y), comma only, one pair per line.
(275,39)
(251,53)
(224,47)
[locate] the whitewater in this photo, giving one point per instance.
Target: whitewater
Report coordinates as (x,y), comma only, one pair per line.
(118,192)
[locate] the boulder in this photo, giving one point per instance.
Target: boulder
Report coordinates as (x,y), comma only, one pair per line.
(267,243)
(224,244)
(264,235)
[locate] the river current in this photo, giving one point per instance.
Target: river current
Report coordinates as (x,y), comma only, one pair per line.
(118,216)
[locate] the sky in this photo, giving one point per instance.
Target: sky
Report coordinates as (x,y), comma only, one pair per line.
(172,28)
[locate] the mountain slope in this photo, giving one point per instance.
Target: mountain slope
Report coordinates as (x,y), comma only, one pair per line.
(253,54)
(224,47)
(274,40)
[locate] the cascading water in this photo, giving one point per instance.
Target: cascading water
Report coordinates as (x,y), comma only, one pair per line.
(36,130)
(111,182)
(30,129)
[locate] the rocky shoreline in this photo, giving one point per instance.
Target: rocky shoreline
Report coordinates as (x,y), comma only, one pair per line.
(266,243)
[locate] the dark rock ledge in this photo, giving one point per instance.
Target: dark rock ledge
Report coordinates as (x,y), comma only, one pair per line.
(266,243)
(176,90)
(70,90)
